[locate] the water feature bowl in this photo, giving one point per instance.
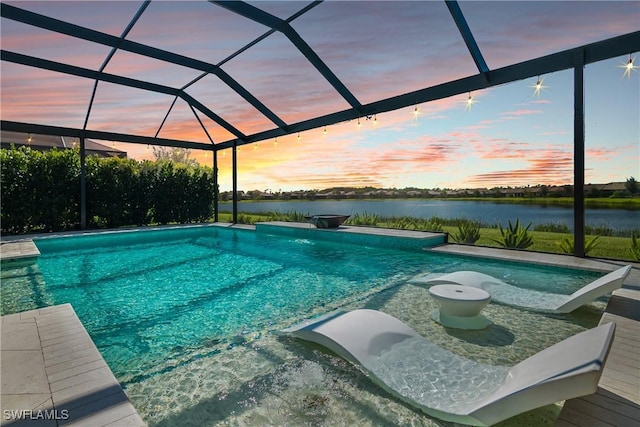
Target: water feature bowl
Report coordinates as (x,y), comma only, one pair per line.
(327,221)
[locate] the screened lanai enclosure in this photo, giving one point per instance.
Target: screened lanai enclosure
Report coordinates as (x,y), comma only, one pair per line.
(218,75)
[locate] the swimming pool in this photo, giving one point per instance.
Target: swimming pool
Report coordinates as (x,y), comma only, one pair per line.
(186,318)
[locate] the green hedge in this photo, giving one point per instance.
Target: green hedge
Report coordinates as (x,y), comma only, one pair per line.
(41,191)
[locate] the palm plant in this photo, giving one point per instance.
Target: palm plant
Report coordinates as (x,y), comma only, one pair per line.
(567,244)
(515,237)
(468,232)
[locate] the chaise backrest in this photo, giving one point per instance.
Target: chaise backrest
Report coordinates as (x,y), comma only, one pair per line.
(600,287)
(568,369)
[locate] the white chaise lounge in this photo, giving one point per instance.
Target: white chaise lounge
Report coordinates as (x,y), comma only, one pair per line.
(505,293)
(452,388)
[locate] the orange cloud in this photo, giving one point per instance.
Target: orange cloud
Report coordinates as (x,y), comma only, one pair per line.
(551,167)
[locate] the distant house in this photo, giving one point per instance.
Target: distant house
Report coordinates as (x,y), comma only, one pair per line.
(513,192)
(603,190)
(533,191)
(48,142)
(296,195)
(613,187)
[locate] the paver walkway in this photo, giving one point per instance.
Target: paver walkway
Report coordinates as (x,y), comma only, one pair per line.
(617,400)
(53,374)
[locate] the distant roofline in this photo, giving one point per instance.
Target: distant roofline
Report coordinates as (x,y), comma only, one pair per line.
(47,142)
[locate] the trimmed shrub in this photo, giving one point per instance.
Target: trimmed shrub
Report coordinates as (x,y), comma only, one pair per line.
(567,244)
(41,191)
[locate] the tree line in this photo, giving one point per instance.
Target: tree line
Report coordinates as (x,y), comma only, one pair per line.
(41,191)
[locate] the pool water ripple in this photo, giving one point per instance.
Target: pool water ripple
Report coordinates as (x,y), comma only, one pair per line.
(187,320)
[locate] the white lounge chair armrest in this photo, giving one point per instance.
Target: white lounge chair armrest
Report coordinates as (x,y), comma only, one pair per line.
(600,287)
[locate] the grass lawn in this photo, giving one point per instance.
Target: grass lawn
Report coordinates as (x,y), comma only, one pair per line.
(607,247)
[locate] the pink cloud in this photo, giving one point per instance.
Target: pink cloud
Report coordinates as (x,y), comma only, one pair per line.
(518,113)
(552,166)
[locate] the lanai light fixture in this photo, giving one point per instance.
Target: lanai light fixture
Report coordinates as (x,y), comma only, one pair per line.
(537,88)
(469,102)
(629,66)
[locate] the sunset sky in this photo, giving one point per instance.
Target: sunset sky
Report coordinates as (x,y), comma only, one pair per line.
(510,136)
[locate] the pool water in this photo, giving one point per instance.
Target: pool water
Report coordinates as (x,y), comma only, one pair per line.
(186,319)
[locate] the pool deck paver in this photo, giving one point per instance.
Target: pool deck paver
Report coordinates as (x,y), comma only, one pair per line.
(617,400)
(53,374)
(18,249)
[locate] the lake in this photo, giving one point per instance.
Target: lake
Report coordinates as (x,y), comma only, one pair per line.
(486,212)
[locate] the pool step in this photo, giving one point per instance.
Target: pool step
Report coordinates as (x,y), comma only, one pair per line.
(18,249)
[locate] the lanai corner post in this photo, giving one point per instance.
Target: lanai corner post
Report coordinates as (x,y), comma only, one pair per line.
(234,175)
(578,154)
(83,185)
(216,193)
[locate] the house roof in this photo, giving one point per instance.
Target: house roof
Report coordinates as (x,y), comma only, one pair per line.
(47,142)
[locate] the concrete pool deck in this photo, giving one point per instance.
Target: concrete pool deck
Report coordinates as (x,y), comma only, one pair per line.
(18,249)
(49,362)
(53,374)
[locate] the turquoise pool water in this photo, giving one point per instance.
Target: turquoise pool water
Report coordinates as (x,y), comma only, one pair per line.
(186,318)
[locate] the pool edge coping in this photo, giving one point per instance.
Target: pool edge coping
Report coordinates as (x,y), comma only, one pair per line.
(53,371)
(539,258)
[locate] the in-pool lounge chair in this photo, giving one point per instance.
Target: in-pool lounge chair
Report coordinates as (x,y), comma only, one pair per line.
(452,388)
(505,293)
